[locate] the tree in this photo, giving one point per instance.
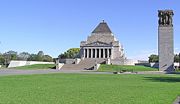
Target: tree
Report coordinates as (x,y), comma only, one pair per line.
(40,53)
(47,58)
(8,56)
(70,53)
(153,58)
(36,57)
(2,60)
(32,57)
(12,55)
(176,58)
(23,56)
(11,52)
(40,56)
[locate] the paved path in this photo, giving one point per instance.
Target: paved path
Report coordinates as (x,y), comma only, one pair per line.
(5,72)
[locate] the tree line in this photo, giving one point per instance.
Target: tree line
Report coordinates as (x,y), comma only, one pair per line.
(6,57)
(155,58)
(70,53)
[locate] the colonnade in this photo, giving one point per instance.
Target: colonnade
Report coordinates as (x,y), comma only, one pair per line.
(97,52)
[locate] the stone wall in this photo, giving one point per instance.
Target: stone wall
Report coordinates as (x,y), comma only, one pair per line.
(59,65)
(67,61)
(106,38)
(15,63)
(130,62)
(117,61)
(117,53)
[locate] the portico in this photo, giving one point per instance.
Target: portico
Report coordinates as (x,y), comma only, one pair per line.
(96,52)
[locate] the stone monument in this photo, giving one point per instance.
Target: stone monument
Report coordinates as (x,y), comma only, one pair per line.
(165,40)
(102,44)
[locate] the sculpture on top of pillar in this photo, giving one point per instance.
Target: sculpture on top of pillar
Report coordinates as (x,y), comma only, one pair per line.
(165,17)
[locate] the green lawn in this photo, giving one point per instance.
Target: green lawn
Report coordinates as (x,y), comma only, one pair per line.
(112,68)
(36,66)
(89,89)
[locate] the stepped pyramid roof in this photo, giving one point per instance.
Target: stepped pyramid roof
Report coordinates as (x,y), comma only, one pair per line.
(102,28)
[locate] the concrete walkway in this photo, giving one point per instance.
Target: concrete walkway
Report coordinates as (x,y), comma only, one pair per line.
(5,72)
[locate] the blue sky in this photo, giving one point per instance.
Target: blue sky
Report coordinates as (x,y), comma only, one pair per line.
(54,26)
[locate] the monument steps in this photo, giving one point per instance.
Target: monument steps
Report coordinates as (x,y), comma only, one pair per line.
(86,64)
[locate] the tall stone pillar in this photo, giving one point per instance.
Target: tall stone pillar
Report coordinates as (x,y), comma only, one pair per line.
(95,53)
(92,53)
(84,54)
(108,53)
(112,54)
(103,52)
(100,53)
(165,41)
(87,53)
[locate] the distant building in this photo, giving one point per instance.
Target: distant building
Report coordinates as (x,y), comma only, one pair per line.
(101,47)
(102,44)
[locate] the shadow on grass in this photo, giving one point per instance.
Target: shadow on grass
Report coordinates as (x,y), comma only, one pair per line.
(163,79)
(52,67)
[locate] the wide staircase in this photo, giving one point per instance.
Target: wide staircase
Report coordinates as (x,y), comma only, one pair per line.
(86,64)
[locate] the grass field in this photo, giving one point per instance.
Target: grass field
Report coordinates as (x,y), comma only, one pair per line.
(112,68)
(89,89)
(36,66)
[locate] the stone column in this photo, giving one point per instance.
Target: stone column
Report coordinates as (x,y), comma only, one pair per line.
(112,53)
(99,52)
(87,53)
(91,53)
(166,48)
(84,50)
(108,53)
(95,53)
(166,41)
(103,52)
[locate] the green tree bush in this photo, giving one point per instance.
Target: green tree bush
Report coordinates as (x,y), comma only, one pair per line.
(70,53)
(153,58)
